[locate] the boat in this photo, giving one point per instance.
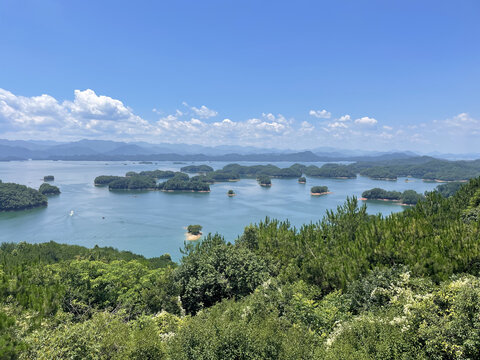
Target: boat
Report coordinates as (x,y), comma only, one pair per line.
(71,212)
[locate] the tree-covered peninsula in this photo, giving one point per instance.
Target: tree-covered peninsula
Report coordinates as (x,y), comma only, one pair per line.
(423,167)
(408,197)
(20,197)
(331,171)
(351,286)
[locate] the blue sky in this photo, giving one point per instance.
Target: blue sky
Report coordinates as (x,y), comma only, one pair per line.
(297,74)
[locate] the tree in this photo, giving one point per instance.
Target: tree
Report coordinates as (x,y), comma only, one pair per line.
(213,270)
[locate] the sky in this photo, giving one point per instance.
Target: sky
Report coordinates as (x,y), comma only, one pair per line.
(359,74)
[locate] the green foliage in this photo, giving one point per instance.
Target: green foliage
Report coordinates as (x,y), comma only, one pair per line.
(302,180)
(409,197)
(331,171)
(267,170)
(381,194)
(104,336)
(19,197)
(420,167)
(197,169)
(449,189)
(48,178)
(379,173)
(47,189)
(212,270)
(133,183)
(231,192)
(158,174)
(194,229)
(105,179)
(264,180)
(319,189)
(181,182)
(351,286)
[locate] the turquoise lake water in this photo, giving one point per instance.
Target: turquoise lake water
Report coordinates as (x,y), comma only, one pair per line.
(152,222)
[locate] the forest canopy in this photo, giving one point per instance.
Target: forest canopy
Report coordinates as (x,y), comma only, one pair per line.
(350,286)
(20,197)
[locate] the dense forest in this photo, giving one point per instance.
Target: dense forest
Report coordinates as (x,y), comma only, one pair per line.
(319,190)
(47,189)
(20,197)
(408,197)
(424,167)
(351,286)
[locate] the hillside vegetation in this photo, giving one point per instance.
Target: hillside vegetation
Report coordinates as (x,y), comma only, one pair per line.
(351,286)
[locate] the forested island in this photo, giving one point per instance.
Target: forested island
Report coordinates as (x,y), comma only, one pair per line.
(407,286)
(331,171)
(48,178)
(319,190)
(408,197)
(264,180)
(302,180)
(20,197)
(196,169)
(146,180)
(47,189)
(423,167)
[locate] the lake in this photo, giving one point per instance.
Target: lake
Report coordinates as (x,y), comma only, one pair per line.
(152,223)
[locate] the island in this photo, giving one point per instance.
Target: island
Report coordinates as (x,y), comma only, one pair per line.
(408,197)
(379,173)
(302,180)
(20,197)
(420,167)
(133,183)
(222,175)
(231,193)
(104,180)
(194,232)
(182,182)
(48,178)
(197,169)
(319,190)
(47,189)
(264,180)
(337,171)
(159,174)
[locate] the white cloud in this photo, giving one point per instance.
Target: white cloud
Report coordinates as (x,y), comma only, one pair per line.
(320,114)
(202,112)
(337,124)
(366,121)
(88,115)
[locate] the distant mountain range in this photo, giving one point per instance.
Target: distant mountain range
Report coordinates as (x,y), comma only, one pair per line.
(105,150)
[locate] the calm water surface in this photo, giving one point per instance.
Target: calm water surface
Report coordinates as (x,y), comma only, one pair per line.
(152,223)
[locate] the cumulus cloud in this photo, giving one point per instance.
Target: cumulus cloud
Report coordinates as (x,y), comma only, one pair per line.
(92,115)
(366,121)
(320,114)
(202,112)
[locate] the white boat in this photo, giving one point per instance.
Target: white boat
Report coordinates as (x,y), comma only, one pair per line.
(71,212)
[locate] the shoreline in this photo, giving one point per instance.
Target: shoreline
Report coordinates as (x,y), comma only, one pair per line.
(191,237)
(397,202)
(319,194)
